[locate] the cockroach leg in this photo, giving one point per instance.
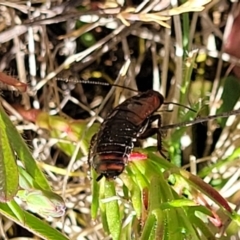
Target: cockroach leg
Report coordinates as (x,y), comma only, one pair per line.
(151,131)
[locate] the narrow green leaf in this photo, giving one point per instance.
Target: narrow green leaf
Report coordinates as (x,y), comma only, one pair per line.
(137,175)
(18,211)
(8,166)
(155,195)
(33,224)
(102,205)
(159,229)
(20,147)
(206,189)
(159,192)
(133,190)
(45,203)
(236,217)
(173,224)
(159,162)
(199,224)
(229,97)
(186,228)
(178,203)
(149,228)
(136,200)
(95,195)
(112,211)
(26,181)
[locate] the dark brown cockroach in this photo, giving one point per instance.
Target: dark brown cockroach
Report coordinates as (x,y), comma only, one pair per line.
(131,120)
(111,147)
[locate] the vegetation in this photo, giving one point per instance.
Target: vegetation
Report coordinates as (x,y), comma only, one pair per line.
(188,52)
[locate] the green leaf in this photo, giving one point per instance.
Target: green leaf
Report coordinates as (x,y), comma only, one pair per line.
(230,96)
(199,224)
(95,194)
(33,224)
(236,217)
(102,205)
(149,228)
(139,176)
(72,130)
(203,187)
(26,181)
(8,166)
(155,194)
(18,211)
(186,228)
(136,200)
(178,203)
(172,232)
(133,190)
(159,229)
(19,146)
(112,211)
(44,202)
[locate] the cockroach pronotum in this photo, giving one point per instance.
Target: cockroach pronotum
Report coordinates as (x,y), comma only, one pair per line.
(129,121)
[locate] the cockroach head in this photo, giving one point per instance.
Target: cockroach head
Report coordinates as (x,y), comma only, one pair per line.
(110,175)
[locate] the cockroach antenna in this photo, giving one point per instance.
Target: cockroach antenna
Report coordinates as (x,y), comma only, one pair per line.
(73,80)
(201,119)
(181,105)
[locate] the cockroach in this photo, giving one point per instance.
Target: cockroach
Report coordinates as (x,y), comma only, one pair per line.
(131,120)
